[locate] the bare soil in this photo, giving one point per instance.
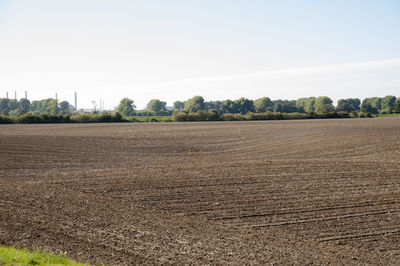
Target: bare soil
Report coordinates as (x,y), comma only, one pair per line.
(260,192)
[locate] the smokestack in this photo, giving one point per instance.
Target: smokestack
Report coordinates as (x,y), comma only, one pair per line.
(7,94)
(56,96)
(15,95)
(76,102)
(26,95)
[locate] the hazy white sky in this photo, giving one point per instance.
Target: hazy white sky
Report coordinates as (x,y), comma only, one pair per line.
(173,50)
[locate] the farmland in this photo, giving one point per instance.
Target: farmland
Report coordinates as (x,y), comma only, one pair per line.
(280,192)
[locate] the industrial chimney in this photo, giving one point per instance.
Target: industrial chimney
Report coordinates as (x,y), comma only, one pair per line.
(76,102)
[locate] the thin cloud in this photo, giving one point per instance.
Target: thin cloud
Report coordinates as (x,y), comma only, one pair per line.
(362,79)
(288,72)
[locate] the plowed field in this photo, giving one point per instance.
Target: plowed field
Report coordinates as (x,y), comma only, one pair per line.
(267,192)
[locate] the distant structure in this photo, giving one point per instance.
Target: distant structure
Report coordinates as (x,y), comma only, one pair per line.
(76,102)
(26,95)
(7,94)
(56,96)
(101,105)
(15,95)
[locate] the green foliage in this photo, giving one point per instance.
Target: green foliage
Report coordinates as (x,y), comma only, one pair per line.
(64,108)
(387,104)
(301,105)
(324,104)
(178,106)
(263,105)
(372,105)
(202,115)
(244,106)
(208,116)
(213,105)
(97,118)
(284,106)
(310,105)
(50,111)
(366,107)
(227,106)
(364,114)
(194,104)
(241,106)
(148,113)
(348,105)
(264,116)
(45,106)
(397,106)
(156,106)
(12,104)
(24,106)
(30,118)
(49,106)
(388,115)
(52,107)
(4,106)
(126,107)
(6,120)
(149,119)
(12,256)
(232,117)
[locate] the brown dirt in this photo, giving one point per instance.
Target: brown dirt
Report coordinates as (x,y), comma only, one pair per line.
(268,192)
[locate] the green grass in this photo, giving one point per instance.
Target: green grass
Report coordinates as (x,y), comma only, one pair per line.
(388,115)
(12,256)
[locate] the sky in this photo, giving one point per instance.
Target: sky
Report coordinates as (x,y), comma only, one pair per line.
(219,49)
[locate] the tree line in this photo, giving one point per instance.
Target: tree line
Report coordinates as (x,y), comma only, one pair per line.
(242,106)
(12,107)
(322,104)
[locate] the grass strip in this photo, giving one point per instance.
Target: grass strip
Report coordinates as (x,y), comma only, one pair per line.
(13,256)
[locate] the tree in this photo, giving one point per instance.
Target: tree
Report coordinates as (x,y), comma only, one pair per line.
(345,107)
(64,108)
(125,107)
(12,105)
(324,104)
(375,102)
(263,105)
(284,106)
(397,106)
(348,105)
(24,106)
(34,106)
(194,104)
(156,106)
(244,106)
(213,105)
(369,105)
(227,106)
(301,105)
(310,105)
(51,107)
(4,106)
(387,103)
(178,105)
